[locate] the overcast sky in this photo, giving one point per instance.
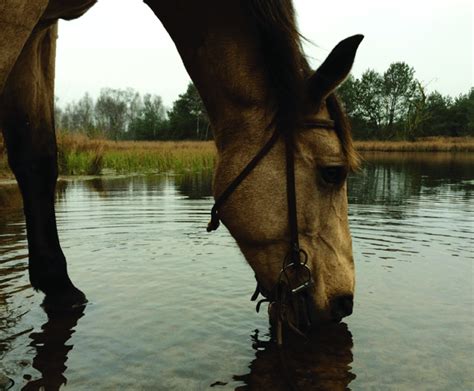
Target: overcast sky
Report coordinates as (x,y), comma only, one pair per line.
(120,43)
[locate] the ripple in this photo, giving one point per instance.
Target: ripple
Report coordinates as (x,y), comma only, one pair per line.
(169,303)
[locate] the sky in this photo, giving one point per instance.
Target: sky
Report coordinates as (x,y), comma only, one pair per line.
(120,44)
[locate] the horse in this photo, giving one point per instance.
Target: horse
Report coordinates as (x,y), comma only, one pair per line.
(283,141)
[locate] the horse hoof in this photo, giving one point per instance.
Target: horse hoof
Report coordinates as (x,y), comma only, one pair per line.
(66,301)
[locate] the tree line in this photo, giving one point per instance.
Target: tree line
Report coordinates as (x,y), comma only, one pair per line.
(395,105)
(383,106)
(124,114)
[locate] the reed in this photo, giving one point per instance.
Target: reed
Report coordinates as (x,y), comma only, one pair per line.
(428,144)
(81,155)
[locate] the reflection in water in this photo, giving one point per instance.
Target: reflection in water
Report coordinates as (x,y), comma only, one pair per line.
(52,350)
(320,363)
(395,178)
(98,186)
(13,266)
(140,244)
(195,185)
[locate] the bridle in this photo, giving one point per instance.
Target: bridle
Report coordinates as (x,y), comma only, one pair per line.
(284,294)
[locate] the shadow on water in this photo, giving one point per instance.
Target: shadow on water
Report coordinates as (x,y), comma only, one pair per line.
(320,363)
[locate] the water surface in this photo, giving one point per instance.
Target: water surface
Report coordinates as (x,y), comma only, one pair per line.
(169,303)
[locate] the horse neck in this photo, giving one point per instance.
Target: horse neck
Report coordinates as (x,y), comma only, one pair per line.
(219,48)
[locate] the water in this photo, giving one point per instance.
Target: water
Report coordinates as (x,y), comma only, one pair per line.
(169,303)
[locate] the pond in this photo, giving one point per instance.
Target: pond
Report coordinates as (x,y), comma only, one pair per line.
(169,303)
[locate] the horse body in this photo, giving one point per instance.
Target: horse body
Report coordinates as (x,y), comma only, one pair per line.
(20,20)
(249,88)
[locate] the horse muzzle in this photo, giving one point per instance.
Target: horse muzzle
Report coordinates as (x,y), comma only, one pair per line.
(341,306)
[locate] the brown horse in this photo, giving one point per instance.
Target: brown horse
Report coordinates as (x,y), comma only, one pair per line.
(246,60)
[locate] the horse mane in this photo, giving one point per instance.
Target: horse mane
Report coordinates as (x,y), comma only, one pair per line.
(285,64)
(287,70)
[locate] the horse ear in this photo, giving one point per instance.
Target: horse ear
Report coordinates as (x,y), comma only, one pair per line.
(334,69)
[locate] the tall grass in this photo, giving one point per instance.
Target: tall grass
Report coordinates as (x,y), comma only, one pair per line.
(81,155)
(78,154)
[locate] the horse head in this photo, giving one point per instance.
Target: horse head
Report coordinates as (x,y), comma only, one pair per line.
(288,209)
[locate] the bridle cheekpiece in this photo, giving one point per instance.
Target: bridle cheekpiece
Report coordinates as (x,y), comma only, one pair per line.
(284,294)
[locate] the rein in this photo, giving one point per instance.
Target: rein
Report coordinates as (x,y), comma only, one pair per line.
(284,295)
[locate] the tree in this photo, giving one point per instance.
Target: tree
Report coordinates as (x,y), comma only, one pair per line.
(399,89)
(382,106)
(84,115)
(347,91)
(461,114)
(188,118)
(369,100)
(77,116)
(115,109)
(437,121)
(417,113)
(150,122)
(349,94)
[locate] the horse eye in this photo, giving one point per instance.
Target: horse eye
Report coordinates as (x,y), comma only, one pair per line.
(334,175)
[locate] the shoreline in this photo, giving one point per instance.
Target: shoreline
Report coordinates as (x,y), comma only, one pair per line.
(81,156)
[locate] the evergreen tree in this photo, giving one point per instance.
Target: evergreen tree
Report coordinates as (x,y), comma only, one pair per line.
(188,118)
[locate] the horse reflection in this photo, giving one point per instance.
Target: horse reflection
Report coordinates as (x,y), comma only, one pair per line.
(320,363)
(52,350)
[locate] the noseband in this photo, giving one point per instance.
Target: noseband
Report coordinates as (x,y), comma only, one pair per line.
(284,294)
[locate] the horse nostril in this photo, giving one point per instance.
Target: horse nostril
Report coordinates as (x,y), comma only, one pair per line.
(341,306)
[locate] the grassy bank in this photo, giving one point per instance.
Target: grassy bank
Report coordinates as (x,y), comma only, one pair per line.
(80,155)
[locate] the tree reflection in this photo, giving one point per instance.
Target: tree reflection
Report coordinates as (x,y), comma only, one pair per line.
(195,185)
(320,363)
(394,178)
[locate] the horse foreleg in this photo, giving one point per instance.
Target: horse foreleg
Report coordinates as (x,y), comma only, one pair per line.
(28,125)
